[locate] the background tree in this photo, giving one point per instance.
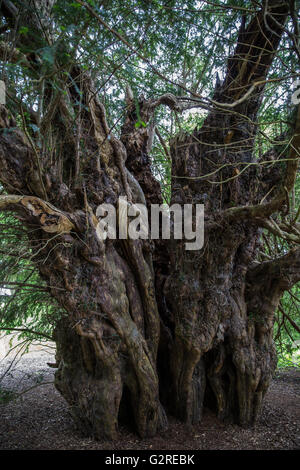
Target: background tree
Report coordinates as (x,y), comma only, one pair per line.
(145,328)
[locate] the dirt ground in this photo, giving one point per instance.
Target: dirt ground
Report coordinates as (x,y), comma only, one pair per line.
(39,419)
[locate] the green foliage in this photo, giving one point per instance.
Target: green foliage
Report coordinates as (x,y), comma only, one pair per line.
(286,337)
(25,302)
(23,30)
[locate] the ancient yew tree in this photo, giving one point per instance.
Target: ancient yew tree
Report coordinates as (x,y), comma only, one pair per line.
(147,328)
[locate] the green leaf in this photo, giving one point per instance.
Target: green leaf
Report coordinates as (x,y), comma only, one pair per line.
(140,124)
(23,30)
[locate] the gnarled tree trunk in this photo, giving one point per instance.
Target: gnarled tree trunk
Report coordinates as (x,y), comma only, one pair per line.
(150,326)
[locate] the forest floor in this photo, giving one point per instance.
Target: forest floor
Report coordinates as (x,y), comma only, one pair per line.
(39,419)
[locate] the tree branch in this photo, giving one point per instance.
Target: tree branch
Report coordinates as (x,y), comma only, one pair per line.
(283,271)
(49,218)
(265,210)
(254,53)
(10,54)
(294,325)
(28,330)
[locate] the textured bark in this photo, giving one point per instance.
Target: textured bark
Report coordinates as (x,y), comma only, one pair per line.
(148,322)
(214,326)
